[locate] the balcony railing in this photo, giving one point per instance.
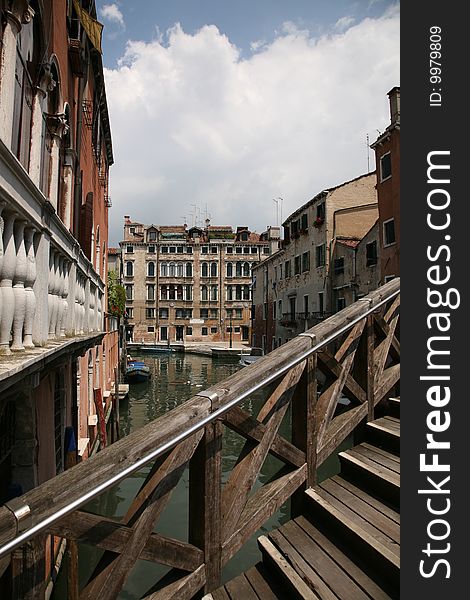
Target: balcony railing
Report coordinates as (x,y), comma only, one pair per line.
(48,287)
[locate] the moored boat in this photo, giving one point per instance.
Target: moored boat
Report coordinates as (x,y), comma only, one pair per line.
(137,371)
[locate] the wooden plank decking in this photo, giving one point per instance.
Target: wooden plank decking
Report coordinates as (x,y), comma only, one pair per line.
(346,545)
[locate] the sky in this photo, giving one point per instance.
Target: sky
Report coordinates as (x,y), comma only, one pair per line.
(220,108)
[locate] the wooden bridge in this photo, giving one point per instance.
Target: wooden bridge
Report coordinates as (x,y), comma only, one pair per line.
(343,538)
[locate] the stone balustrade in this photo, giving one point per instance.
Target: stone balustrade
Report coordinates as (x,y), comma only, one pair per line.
(48,287)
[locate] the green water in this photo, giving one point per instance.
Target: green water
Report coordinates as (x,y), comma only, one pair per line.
(175,378)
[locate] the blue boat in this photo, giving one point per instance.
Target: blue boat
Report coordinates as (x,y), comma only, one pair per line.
(137,372)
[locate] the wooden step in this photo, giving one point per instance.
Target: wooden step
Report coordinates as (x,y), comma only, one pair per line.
(283,570)
(362,531)
(393,407)
(257,580)
(372,471)
(385,433)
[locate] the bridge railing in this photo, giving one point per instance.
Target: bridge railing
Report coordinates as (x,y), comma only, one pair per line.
(355,354)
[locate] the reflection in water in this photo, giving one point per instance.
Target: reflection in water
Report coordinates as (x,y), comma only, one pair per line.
(174,379)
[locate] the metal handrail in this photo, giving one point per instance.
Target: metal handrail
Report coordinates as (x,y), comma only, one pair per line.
(74,505)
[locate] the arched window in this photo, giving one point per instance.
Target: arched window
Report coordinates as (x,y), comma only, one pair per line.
(172,270)
(246,292)
(151,269)
(164,292)
(246,269)
(244,236)
(238,269)
(230,292)
(229,270)
(179,270)
(214,269)
(204,270)
(189,270)
(214,290)
(204,293)
(172,293)
(129,268)
(179,292)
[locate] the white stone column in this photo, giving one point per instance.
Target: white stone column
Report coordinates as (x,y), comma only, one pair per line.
(6,283)
(68,189)
(65,295)
(2,206)
(7,76)
(21,271)
(28,286)
(41,289)
(60,291)
(52,298)
(86,306)
(57,127)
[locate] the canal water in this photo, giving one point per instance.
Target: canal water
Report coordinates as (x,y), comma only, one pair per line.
(175,377)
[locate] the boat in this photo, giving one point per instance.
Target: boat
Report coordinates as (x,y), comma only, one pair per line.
(249,359)
(156,349)
(137,371)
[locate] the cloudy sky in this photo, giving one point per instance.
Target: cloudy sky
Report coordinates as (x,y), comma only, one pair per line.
(221,107)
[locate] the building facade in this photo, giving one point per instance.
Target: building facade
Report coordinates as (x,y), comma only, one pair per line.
(58,351)
(294,289)
(191,285)
(387,155)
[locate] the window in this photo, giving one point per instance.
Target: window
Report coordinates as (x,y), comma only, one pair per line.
(150,269)
(238,249)
(254,250)
(279,304)
(204,293)
(244,236)
(164,292)
(189,270)
(204,249)
(151,329)
(294,228)
(171,270)
(151,292)
(179,249)
(321,211)
(340,304)
(214,312)
(189,331)
(213,329)
(287,269)
(371,254)
(213,269)
(129,292)
(297,265)
(229,250)
(129,269)
(246,269)
(172,249)
(389,232)
(204,313)
(189,292)
(150,313)
(164,269)
(132,230)
(163,313)
(151,236)
(305,306)
(385,166)
(204,331)
(320,255)
(238,313)
(151,249)
(130,312)
(321,307)
(164,249)
(179,269)
(205,269)
(229,270)
(339,265)
(179,292)
(306,261)
(130,249)
(304,222)
(246,250)
(236,329)
(164,334)
(214,292)
(214,249)
(189,249)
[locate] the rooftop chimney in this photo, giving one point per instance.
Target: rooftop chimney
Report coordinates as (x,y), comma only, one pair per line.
(394,98)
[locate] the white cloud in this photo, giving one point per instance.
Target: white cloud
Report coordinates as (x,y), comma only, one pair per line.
(194,123)
(343,23)
(112,12)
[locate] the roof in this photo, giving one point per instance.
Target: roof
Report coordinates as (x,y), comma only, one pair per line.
(114,250)
(323,193)
(351,243)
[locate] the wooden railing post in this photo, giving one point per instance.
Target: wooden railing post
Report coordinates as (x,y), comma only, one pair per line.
(205,480)
(364,369)
(303,427)
(28,568)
